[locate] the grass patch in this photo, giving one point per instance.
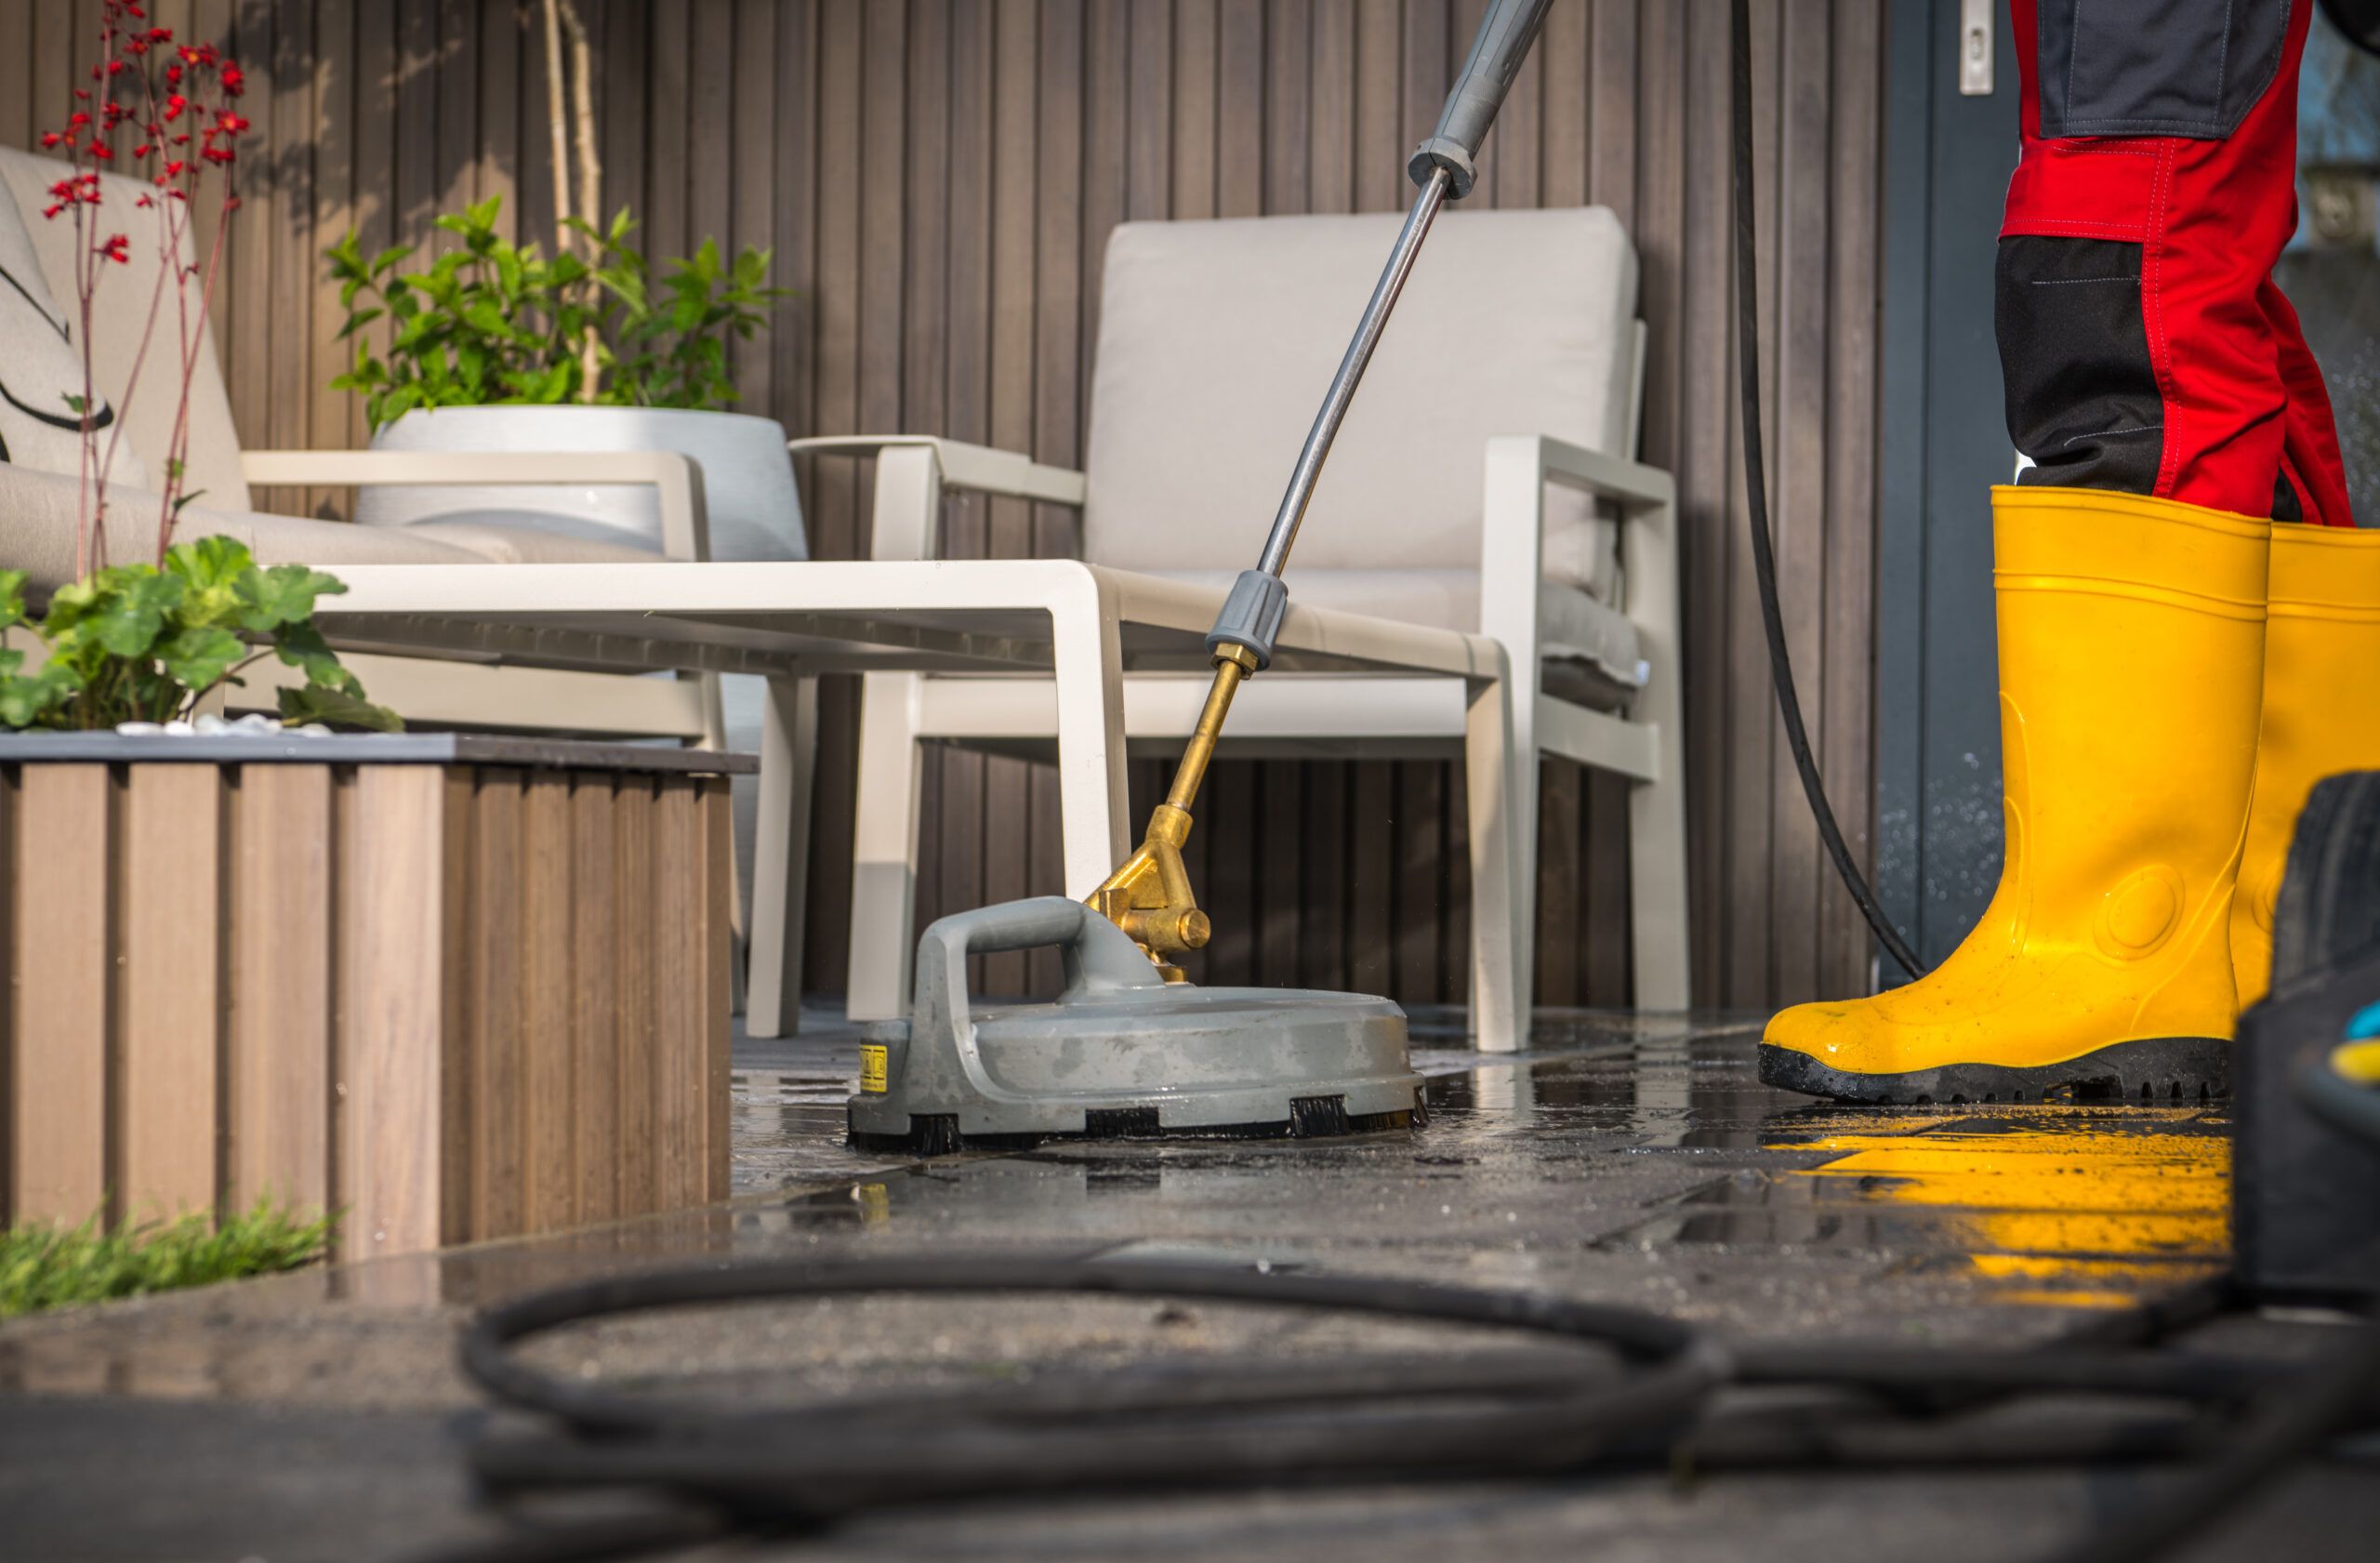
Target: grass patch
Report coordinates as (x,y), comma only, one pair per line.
(53,1267)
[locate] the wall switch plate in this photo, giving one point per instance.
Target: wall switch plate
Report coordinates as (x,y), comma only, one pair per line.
(1974,47)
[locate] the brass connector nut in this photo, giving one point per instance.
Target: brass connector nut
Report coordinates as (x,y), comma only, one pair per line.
(1233,652)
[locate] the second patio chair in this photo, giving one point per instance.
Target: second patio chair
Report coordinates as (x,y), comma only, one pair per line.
(1483,482)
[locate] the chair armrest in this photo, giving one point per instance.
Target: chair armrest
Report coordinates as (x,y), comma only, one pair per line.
(1630,485)
(686,524)
(1513,539)
(976,468)
(912,472)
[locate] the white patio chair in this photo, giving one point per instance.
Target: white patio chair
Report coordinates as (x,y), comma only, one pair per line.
(1482,482)
(39,496)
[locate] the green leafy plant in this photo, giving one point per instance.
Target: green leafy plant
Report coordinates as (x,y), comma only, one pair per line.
(51,1267)
(496,322)
(136,642)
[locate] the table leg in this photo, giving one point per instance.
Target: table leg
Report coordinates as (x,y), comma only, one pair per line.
(1091,792)
(781,858)
(884,847)
(1500,974)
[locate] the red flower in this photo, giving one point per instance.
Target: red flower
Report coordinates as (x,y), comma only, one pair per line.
(234,80)
(52,139)
(173,75)
(144,200)
(230,122)
(78,118)
(117,249)
(175,104)
(52,211)
(103,152)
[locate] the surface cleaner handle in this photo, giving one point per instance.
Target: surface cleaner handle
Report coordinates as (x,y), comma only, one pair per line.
(1100,957)
(1505,34)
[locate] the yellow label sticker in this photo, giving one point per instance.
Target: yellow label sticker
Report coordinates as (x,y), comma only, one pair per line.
(873,1068)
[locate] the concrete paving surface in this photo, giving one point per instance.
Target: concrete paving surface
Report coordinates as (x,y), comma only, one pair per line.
(1622,1160)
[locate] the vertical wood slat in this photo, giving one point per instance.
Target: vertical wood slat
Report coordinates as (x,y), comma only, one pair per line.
(332,76)
(1057,360)
(1749,961)
(1801,462)
(499,1129)
(496,157)
(716,841)
(455,66)
(1846,756)
(376,210)
(392,1154)
(461,947)
(709,166)
(831,502)
(280,915)
(678,963)
(753,219)
(17,109)
(171,860)
(957,825)
(549,1088)
(1008,799)
(592,997)
(636,1026)
(59,1025)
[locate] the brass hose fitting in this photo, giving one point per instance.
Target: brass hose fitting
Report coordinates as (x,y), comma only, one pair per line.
(1149,896)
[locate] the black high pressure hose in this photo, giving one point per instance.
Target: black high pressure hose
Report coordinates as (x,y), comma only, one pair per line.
(1764,551)
(713,1468)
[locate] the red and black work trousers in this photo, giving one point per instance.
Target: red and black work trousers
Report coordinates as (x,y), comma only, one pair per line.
(2143,342)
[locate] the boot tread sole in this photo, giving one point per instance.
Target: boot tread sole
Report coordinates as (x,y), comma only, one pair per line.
(2153,1071)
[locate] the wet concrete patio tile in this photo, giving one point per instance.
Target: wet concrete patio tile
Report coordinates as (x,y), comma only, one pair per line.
(1625,1160)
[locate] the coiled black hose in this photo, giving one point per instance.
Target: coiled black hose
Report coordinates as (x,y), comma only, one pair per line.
(726,1467)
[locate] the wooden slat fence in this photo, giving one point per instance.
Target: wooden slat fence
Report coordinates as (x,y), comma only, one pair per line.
(938,179)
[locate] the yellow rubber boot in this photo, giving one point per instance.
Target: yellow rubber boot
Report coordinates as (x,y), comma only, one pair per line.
(2131,670)
(2322,711)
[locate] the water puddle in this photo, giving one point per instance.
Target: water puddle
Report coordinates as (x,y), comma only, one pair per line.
(2074,1208)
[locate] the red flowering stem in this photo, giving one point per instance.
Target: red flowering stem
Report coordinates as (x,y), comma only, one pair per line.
(91,496)
(168,264)
(179,445)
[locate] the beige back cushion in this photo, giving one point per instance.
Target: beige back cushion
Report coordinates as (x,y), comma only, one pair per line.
(123,310)
(1217,339)
(40,368)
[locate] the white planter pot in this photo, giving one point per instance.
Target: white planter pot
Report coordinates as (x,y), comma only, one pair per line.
(747,478)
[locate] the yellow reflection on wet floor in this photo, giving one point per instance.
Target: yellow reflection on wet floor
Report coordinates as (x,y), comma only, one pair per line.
(2074,1209)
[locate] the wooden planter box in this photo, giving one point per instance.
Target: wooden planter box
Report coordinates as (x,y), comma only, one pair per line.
(458,987)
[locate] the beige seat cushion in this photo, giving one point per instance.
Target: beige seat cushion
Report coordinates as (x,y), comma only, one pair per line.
(1216,340)
(1591,652)
(37,535)
(522,545)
